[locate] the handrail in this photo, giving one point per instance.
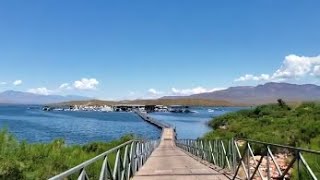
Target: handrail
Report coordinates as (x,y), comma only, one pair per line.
(280,146)
(153,121)
(130,156)
(251,159)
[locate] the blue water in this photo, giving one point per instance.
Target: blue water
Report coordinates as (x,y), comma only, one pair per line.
(35,125)
(192,125)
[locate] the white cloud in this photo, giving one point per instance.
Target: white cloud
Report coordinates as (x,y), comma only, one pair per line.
(293,67)
(154,92)
(197,90)
(316,71)
(86,84)
(17,82)
(65,86)
(3,83)
(46,91)
(83,84)
(250,77)
(296,66)
(41,91)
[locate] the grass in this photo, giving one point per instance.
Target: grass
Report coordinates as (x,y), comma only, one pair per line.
(21,160)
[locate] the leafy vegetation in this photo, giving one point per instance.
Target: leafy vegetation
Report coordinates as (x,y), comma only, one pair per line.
(275,123)
(21,160)
(279,123)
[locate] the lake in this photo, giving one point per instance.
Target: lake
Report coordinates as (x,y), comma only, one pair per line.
(193,125)
(34,125)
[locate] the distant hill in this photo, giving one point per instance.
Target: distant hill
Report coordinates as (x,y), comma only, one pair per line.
(266,93)
(187,102)
(18,97)
(233,96)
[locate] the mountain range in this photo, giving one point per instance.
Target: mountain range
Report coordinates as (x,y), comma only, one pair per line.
(266,93)
(18,97)
(246,95)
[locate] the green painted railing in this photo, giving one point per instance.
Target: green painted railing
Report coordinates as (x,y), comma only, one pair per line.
(249,159)
(119,163)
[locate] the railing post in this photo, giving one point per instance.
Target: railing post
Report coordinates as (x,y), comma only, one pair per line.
(229,155)
(117,165)
(240,162)
(221,154)
(244,162)
(132,156)
(203,154)
(125,164)
(212,153)
(248,159)
(138,156)
(234,154)
(142,154)
(268,163)
(127,161)
(298,164)
(225,156)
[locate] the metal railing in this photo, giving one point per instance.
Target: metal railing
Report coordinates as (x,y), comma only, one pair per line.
(159,124)
(128,158)
(249,159)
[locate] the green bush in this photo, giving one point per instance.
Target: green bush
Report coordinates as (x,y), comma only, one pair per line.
(21,160)
(274,123)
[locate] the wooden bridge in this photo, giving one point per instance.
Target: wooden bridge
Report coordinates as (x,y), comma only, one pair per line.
(170,162)
(186,159)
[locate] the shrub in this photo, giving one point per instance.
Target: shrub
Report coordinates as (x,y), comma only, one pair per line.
(275,123)
(21,160)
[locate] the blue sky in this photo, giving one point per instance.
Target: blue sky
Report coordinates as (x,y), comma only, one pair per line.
(142,48)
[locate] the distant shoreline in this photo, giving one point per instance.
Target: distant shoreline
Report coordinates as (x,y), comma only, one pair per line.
(166,102)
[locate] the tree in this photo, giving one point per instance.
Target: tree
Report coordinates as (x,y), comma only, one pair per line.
(283,104)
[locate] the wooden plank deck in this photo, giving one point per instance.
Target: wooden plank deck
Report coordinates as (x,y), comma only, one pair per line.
(168,162)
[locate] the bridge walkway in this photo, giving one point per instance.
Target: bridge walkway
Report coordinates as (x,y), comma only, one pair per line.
(169,162)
